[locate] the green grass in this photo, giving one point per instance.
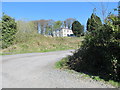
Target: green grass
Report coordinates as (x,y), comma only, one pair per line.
(39,43)
(62,64)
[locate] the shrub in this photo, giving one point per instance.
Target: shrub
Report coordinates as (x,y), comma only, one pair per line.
(8,30)
(99,54)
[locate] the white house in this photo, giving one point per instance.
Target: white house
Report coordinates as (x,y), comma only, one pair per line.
(62,32)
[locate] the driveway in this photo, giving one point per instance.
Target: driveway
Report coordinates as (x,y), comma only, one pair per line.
(36,70)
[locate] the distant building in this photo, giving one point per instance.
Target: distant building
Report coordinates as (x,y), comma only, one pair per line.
(62,32)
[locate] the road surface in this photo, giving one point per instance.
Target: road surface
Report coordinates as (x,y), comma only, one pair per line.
(36,70)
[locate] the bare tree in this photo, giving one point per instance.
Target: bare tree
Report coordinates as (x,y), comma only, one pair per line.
(49,27)
(44,26)
(68,22)
(103,11)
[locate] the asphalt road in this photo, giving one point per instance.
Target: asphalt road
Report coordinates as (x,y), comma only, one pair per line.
(36,70)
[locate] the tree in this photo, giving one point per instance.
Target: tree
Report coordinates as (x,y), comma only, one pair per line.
(44,27)
(57,25)
(42,24)
(82,33)
(64,24)
(113,21)
(68,22)
(77,28)
(49,27)
(9,29)
(93,22)
(89,24)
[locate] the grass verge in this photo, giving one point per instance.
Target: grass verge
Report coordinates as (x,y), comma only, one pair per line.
(62,64)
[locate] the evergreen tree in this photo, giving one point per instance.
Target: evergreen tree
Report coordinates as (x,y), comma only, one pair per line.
(93,22)
(77,28)
(8,30)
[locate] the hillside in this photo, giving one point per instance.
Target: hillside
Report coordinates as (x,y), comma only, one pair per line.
(39,43)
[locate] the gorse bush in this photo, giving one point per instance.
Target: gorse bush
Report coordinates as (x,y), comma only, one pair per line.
(99,54)
(8,31)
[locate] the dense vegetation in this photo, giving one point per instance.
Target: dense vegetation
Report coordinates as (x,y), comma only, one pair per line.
(99,54)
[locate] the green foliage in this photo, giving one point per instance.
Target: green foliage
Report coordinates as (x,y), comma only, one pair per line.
(77,28)
(113,21)
(99,54)
(62,63)
(93,23)
(116,84)
(8,30)
(57,25)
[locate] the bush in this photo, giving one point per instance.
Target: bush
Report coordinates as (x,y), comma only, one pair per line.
(99,54)
(8,31)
